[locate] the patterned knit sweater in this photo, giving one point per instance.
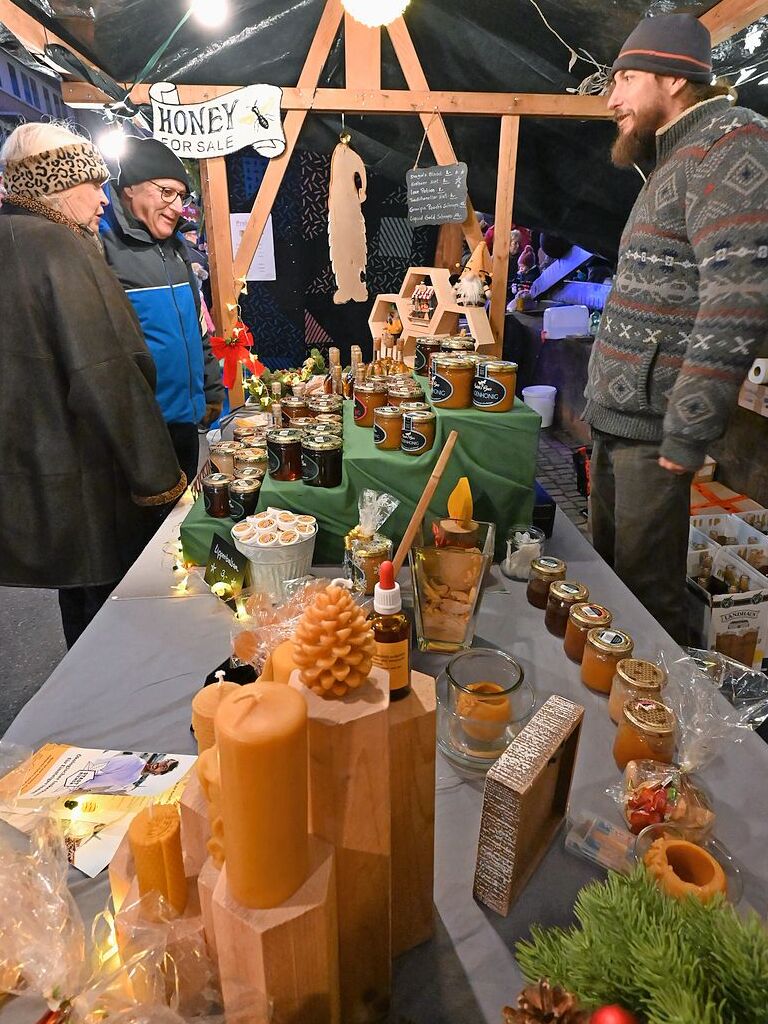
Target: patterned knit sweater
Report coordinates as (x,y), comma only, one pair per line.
(689,306)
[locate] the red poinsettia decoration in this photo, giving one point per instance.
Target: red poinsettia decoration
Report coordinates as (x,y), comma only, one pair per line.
(236,349)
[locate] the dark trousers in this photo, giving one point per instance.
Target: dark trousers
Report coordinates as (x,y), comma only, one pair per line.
(186,444)
(639,515)
(78,605)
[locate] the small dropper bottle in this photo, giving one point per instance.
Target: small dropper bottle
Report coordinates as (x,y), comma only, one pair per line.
(392,633)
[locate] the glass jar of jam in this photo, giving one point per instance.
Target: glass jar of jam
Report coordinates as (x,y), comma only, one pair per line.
(634,678)
(563,595)
(243,498)
(284,454)
(251,458)
(368,397)
(647,730)
(387,427)
(603,651)
(458,344)
(399,393)
(582,618)
(321,460)
(418,432)
(494,386)
(216,495)
(293,409)
(222,455)
(544,571)
(452,382)
(425,348)
(325,404)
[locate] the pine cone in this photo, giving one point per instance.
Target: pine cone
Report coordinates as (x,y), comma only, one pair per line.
(544,1004)
(333,644)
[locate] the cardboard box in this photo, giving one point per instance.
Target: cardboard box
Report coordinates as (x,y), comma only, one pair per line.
(756,518)
(726,529)
(754,397)
(707,471)
(715,497)
(734,624)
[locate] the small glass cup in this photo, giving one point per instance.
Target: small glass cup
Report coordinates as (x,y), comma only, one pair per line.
(483,701)
(524,543)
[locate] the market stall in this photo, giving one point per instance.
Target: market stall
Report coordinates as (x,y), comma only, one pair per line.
(129,681)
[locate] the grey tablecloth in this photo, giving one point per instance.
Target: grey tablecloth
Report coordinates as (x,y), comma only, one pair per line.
(129,680)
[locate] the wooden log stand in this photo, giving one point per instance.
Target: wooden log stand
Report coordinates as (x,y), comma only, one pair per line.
(281,964)
(412,788)
(350,809)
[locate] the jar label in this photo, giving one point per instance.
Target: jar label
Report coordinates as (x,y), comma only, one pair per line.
(487,392)
(413,441)
(550,563)
(274,459)
(309,468)
(393,658)
(236,509)
(360,409)
(569,588)
(420,360)
(591,611)
(609,636)
(442,389)
(379,435)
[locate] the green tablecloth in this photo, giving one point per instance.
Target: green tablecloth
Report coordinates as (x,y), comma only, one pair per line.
(496,451)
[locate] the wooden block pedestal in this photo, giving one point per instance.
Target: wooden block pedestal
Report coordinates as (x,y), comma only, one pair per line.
(195,825)
(350,809)
(207,881)
(281,965)
(412,785)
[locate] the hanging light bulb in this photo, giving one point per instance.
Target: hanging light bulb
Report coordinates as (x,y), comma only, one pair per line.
(210,13)
(375,13)
(112,142)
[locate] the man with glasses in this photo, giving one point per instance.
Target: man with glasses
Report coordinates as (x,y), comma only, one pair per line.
(142,247)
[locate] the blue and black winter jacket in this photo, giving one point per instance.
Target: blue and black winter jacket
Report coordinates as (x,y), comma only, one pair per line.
(161,285)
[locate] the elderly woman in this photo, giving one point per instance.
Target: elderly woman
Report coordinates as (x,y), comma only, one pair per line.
(83,448)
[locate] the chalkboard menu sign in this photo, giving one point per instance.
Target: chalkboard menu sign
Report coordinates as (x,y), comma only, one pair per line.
(437,195)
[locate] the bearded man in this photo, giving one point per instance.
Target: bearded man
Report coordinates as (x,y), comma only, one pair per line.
(688,308)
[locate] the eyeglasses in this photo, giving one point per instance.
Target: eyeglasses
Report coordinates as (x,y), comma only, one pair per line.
(169,195)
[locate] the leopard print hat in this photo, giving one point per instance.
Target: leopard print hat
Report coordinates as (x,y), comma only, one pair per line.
(54,170)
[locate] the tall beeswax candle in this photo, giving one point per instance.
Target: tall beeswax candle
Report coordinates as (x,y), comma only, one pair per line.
(262,739)
(154,836)
(204,705)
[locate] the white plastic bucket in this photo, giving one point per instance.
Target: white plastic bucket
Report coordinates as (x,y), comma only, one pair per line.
(541,398)
(271,567)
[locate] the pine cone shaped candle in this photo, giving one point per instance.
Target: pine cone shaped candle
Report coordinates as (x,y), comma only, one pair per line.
(543,1003)
(333,644)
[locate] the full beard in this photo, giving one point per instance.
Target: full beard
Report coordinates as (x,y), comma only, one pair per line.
(637,145)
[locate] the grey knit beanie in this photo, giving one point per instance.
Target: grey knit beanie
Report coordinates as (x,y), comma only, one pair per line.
(671,44)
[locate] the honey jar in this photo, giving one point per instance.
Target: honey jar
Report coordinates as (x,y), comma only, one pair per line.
(603,651)
(425,348)
(418,432)
(458,344)
(284,454)
(646,731)
(414,407)
(403,392)
(494,385)
(251,458)
(321,460)
(243,498)
(240,434)
(330,417)
(387,427)
(634,678)
(544,571)
(326,429)
(582,618)
(368,396)
(303,423)
(293,409)
(223,454)
(452,382)
(367,556)
(325,404)
(563,595)
(216,495)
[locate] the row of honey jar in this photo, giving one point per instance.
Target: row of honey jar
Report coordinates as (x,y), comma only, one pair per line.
(461,378)
(647,728)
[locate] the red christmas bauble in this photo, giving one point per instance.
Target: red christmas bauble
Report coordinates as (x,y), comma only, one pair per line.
(613,1014)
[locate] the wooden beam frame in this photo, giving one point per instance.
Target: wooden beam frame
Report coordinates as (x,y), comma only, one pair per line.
(362,55)
(505,194)
(34,36)
(731,16)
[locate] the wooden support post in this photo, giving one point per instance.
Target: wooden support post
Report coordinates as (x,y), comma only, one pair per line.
(213,176)
(281,964)
(412,786)
(449,245)
(505,194)
(362,55)
(195,826)
(350,808)
(434,125)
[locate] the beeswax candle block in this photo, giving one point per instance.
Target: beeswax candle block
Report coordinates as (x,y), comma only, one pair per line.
(155,839)
(204,705)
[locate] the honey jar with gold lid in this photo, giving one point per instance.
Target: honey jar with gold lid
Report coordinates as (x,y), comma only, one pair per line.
(403,392)
(563,594)
(582,618)
(418,432)
(458,344)
(293,409)
(426,347)
(647,731)
(414,407)
(634,678)
(387,427)
(369,396)
(452,382)
(494,386)
(544,571)
(603,651)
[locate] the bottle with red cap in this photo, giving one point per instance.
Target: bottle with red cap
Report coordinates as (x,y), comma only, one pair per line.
(392,633)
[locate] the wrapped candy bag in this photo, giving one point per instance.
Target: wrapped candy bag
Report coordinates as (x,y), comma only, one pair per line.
(364,547)
(654,793)
(261,625)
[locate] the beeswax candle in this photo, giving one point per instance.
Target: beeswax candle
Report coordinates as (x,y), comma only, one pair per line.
(207,769)
(262,740)
(154,836)
(283,662)
(204,705)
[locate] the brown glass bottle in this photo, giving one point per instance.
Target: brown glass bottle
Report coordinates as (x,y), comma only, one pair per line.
(392,633)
